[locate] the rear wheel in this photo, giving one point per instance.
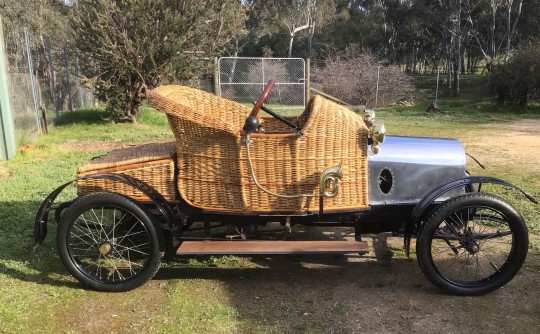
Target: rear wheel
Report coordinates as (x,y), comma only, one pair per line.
(472,244)
(108,242)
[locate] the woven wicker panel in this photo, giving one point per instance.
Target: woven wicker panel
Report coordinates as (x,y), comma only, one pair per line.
(272,124)
(152,163)
(333,135)
(213,172)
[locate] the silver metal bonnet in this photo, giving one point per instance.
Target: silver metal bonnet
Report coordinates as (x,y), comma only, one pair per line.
(406,169)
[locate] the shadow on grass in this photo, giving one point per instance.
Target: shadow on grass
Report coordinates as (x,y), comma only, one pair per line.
(19,259)
(84,116)
(301,293)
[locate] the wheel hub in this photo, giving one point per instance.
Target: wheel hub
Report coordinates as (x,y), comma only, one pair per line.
(105,248)
(470,242)
(473,249)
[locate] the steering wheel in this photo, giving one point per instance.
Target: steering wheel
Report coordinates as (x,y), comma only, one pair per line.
(262,98)
(252,122)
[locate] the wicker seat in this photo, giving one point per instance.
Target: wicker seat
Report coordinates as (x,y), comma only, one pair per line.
(213,172)
(150,163)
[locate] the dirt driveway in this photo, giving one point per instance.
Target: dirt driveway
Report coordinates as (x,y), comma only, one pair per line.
(383,292)
(517,142)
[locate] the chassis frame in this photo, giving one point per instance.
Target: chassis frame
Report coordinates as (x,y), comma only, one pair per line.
(406,220)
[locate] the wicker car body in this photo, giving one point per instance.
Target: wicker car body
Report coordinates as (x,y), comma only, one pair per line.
(228,175)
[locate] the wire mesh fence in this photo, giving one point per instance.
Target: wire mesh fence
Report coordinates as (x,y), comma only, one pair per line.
(44,81)
(243,79)
(19,85)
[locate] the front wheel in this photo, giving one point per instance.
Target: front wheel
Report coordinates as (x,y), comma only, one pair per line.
(108,242)
(472,244)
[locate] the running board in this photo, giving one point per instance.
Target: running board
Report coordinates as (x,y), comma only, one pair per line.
(246,247)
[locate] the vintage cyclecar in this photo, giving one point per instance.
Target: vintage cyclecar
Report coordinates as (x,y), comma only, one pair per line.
(235,182)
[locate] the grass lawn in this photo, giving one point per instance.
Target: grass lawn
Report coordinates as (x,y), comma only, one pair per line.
(222,294)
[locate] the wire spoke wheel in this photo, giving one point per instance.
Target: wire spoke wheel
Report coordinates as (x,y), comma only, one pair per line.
(108,243)
(472,244)
(469,246)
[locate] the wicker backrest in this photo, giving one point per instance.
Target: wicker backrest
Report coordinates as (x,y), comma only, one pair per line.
(201,108)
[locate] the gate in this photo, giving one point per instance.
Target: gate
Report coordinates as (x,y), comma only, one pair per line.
(243,79)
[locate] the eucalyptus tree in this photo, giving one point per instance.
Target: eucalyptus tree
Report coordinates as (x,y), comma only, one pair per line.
(492,24)
(279,24)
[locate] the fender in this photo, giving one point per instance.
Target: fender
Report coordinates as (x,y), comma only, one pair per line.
(40,224)
(420,208)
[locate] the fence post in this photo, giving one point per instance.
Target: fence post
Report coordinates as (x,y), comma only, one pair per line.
(377,89)
(263,77)
(7,134)
(216,77)
(66,63)
(437,89)
(308,80)
(51,73)
(32,78)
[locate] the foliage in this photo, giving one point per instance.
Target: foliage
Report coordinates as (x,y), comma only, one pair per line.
(39,16)
(352,76)
(132,46)
(455,36)
(518,82)
(274,26)
(46,23)
(126,46)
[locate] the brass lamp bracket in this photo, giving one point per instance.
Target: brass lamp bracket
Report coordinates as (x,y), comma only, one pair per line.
(377,132)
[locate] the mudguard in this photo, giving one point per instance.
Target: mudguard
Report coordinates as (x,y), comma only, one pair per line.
(40,224)
(420,208)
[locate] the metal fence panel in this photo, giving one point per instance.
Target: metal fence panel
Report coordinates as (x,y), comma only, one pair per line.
(44,78)
(7,136)
(243,79)
(19,86)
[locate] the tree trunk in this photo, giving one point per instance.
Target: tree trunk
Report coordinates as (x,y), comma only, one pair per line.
(462,60)
(508,29)
(456,47)
(511,30)
(311,34)
(449,65)
(491,35)
(291,39)
(415,63)
(455,83)
(235,55)
(469,63)
(132,100)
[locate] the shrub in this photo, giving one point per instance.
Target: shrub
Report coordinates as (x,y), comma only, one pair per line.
(518,81)
(352,77)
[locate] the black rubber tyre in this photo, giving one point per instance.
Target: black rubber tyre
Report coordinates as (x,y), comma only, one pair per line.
(109,243)
(472,244)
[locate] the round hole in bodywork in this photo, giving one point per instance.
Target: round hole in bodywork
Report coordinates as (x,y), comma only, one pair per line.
(385,181)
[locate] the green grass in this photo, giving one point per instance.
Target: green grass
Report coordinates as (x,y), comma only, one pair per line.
(39,296)
(97,125)
(33,284)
